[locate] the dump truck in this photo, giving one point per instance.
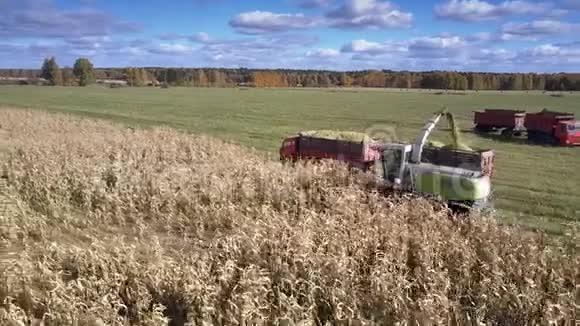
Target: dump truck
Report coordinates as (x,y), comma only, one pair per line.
(559,128)
(312,145)
(458,177)
(508,122)
(552,127)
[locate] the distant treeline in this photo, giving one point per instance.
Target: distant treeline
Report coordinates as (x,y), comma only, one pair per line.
(214,77)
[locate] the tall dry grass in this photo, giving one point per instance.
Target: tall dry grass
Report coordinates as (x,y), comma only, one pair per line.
(155,227)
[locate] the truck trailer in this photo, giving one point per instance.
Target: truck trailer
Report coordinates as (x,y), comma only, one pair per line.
(558,128)
(308,146)
(509,122)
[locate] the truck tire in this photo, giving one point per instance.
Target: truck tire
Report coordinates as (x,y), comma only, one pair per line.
(482,129)
(532,136)
(507,132)
(542,138)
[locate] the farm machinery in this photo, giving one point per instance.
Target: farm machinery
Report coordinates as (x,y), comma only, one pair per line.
(459,177)
(559,128)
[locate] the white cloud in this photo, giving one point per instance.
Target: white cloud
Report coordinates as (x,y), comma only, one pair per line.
(494,55)
(132,50)
(352,14)
(91,42)
(259,51)
(323,54)
(551,57)
(373,48)
(362,46)
(438,42)
(201,37)
(537,28)
(437,47)
(421,47)
(315,3)
(369,13)
(478,10)
(480,37)
(171,49)
(546,50)
(256,22)
(43,19)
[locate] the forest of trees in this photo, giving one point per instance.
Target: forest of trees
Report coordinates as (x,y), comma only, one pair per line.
(215,77)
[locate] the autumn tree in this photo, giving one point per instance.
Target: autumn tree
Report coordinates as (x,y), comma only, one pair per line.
(271,79)
(374,79)
(68,78)
(202,80)
(134,77)
(51,71)
(540,82)
(217,78)
(345,80)
(528,82)
(83,71)
(323,80)
(461,82)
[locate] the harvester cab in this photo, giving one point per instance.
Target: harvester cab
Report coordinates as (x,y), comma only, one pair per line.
(395,159)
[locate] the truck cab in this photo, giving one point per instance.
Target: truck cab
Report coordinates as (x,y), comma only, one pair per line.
(288,150)
(568,133)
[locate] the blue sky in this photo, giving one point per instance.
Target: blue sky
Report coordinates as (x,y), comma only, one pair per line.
(464,35)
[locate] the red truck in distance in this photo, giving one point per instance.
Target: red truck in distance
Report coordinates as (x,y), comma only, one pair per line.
(559,128)
(510,122)
(556,127)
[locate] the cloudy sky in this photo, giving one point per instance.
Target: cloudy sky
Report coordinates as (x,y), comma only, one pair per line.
(475,35)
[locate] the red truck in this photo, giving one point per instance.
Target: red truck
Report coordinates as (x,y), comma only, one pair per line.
(553,127)
(545,126)
(508,121)
(358,154)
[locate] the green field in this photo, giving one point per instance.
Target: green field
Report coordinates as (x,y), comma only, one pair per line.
(534,185)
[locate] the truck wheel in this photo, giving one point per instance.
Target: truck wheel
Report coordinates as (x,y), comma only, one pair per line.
(508,132)
(532,136)
(481,129)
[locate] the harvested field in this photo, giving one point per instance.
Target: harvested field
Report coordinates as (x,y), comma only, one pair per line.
(156,227)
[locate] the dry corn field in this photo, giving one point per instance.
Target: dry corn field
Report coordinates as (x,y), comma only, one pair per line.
(114,226)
